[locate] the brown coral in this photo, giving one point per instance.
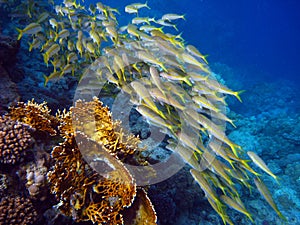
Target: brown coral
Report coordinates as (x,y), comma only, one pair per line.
(17,211)
(141,212)
(15,138)
(95,121)
(36,115)
(84,194)
(93,142)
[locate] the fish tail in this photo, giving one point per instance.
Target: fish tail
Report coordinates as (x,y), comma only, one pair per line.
(249,216)
(281,216)
(163,67)
(20,33)
(175,27)
(146,5)
(231,122)
(46,80)
(45,56)
(237,95)
(235,148)
(186,80)
(30,46)
(204,58)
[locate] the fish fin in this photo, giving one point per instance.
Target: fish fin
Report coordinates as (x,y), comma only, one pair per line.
(237,95)
(30,46)
(146,5)
(46,80)
(186,80)
(45,56)
(20,33)
(281,216)
(175,27)
(232,123)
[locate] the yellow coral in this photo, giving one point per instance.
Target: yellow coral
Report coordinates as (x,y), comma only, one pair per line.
(36,115)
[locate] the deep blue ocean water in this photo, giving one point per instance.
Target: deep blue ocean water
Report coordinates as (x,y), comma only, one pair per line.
(259,37)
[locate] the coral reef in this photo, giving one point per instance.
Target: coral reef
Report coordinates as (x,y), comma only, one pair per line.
(111,196)
(15,139)
(17,210)
(83,193)
(35,115)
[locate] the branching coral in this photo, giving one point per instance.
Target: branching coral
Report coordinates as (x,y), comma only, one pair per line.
(15,139)
(36,115)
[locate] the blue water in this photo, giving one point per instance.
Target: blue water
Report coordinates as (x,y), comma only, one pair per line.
(261,38)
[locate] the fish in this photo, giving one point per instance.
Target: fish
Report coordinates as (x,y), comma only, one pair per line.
(32,28)
(36,43)
(111,30)
(264,191)
(215,165)
(166,98)
(133,30)
(214,84)
(130,9)
(187,154)
(155,78)
(194,51)
(172,16)
(261,164)
(219,116)
(54,49)
(42,17)
(176,76)
(166,24)
(221,212)
(206,187)
(190,141)
(139,20)
(148,28)
(79,47)
(204,102)
(138,5)
(52,76)
(217,148)
(192,60)
(144,94)
(145,56)
(214,130)
(62,34)
(95,37)
(152,116)
(235,205)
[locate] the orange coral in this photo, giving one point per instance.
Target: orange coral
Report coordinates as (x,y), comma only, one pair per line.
(92,142)
(95,120)
(101,143)
(36,115)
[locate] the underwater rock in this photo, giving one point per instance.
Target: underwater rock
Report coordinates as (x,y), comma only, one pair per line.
(9,48)
(8,91)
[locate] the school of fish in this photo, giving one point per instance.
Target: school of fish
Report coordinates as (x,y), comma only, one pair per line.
(168,81)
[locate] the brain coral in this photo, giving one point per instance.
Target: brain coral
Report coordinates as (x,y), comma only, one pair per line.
(15,138)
